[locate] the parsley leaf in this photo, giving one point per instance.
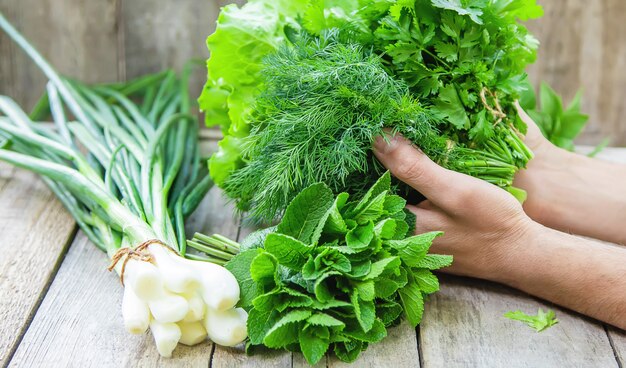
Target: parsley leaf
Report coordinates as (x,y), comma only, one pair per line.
(539,322)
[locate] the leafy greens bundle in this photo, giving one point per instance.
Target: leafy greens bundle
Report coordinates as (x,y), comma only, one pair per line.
(335,273)
(124,159)
(457,65)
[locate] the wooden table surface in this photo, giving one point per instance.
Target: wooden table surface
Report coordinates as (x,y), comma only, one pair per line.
(59,307)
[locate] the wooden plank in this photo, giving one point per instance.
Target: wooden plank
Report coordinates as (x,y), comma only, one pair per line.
(166,34)
(298,361)
(612,154)
(618,340)
(464,327)
(79,322)
(582,46)
(35,231)
(236,358)
(78,37)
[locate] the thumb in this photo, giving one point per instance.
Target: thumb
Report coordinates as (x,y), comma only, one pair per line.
(534,138)
(441,186)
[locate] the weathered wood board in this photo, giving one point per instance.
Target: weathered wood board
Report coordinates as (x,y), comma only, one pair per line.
(582,46)
(35,231)
(78,37)
(618,339)
(464,326)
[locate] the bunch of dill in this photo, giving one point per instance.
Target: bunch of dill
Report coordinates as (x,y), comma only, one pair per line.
(322,104)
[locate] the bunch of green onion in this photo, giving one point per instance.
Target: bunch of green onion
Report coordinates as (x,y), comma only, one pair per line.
(124,159)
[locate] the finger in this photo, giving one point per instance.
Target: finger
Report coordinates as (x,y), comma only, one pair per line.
(445,188)
(425,205)
(427,220)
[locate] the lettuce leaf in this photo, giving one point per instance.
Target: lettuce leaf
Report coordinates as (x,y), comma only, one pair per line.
(243,37)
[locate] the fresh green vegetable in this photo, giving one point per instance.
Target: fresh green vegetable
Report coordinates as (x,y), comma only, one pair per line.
(323,104)
(558,124)
(457,65)
(241,40)
(540,322)
(127,166)
(335,273)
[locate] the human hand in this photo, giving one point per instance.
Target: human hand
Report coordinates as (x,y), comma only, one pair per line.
(483,225)
(570,192)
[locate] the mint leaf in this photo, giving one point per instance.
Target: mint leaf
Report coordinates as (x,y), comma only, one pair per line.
(361,269)
(412,302)
(321,290)
(412,250)
(361,236)
(280,299)
(364,310)
(240,267)
(263,269)
(286,330)
(385,229)
(323,319)
(376,333)
(379,267)
(259,322)
(312,345)
(382,185)
(366,290)
(256,239)
(327,259)
(426,281)
(434,261)
(385,288)
(330,304)
(306,215)
(388,312)
(348,351)
(393,204)
(335,223)
(371,210)
(288,251)
(540,322)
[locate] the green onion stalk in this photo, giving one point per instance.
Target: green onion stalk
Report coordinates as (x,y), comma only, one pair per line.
(125,161)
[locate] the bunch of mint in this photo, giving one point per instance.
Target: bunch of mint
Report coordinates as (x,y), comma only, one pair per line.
(335,273)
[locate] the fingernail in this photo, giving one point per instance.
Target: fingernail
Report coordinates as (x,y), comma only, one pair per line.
(385,144)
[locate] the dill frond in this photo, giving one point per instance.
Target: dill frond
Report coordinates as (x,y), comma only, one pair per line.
(322,104)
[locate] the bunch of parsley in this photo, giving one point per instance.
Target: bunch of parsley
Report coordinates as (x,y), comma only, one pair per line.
(335,273)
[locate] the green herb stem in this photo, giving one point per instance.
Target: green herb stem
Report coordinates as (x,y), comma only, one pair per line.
(210,249)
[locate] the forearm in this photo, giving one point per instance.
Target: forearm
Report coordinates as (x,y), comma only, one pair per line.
(576,273)
(576,194)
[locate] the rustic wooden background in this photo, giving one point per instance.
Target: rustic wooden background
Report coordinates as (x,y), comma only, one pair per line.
(110,40)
